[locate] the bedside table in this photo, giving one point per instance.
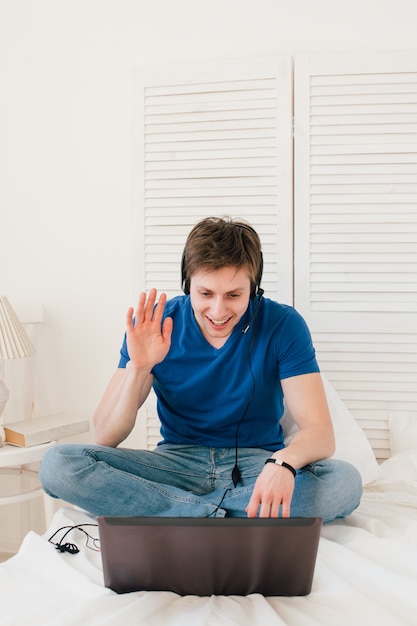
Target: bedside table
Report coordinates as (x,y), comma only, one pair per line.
(13,464)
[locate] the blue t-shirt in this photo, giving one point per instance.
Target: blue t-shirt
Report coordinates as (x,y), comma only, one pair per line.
(203,392)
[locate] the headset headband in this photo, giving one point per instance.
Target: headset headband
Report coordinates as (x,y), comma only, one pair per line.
(185,281)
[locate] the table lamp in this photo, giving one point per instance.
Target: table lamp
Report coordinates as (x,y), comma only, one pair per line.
(14,344)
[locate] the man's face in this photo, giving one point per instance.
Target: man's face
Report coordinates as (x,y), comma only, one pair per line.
(219,299)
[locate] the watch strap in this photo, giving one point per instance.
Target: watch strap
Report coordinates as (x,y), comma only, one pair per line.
(283,464)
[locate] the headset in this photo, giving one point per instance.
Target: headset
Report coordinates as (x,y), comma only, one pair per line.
(256,289)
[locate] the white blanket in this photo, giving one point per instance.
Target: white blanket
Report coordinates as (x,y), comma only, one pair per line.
(366,573)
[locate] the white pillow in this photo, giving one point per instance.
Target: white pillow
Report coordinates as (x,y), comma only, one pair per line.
(351,442)
(402,431)
(401,467)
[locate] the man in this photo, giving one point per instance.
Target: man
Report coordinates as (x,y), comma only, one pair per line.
(220,358)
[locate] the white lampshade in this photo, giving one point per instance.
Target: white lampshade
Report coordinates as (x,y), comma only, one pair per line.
(14,342)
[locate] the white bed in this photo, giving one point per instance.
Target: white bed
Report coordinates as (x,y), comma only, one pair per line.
(366,569)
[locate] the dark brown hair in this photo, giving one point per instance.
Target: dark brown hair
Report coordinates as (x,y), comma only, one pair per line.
(217,242)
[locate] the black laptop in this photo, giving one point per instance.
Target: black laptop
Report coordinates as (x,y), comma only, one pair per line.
(210,556)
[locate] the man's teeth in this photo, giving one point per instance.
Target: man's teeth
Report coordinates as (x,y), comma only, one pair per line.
(219,323)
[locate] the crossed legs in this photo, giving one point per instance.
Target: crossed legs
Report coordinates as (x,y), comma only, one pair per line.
(187,481)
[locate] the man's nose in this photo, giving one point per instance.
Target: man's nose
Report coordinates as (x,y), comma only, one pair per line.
(217,307)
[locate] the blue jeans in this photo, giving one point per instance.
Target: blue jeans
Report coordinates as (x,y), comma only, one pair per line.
(187,481)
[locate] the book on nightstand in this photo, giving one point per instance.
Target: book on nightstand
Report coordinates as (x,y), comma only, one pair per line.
(39,430)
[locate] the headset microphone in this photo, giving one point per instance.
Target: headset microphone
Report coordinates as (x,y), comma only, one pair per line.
(247,326)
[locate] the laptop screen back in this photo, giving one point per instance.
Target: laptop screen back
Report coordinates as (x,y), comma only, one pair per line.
(209,556)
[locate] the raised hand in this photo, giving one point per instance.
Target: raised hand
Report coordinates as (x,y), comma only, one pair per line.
(148,339)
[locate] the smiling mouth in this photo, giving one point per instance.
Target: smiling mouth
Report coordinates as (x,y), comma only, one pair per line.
(219,323)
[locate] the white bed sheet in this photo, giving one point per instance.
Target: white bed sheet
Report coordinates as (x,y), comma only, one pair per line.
(366,572)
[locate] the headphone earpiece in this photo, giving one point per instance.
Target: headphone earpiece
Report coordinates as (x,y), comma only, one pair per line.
(185,282)
(258,290)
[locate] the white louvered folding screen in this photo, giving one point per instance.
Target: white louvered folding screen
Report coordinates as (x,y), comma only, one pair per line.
(212,139)
(215,139)
(356,229)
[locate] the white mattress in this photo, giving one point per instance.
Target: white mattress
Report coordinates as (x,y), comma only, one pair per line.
(366,573)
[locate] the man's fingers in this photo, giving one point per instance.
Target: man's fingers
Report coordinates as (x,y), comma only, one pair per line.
(268,504)
(150,304)
(253,506)
(140,308)
(167,328)
(129,319)
(159,309)
(286,509)
(146,310)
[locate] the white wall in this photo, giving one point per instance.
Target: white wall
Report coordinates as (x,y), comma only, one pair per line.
(65,146)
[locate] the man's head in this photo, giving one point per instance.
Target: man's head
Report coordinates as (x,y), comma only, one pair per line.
(216,243)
